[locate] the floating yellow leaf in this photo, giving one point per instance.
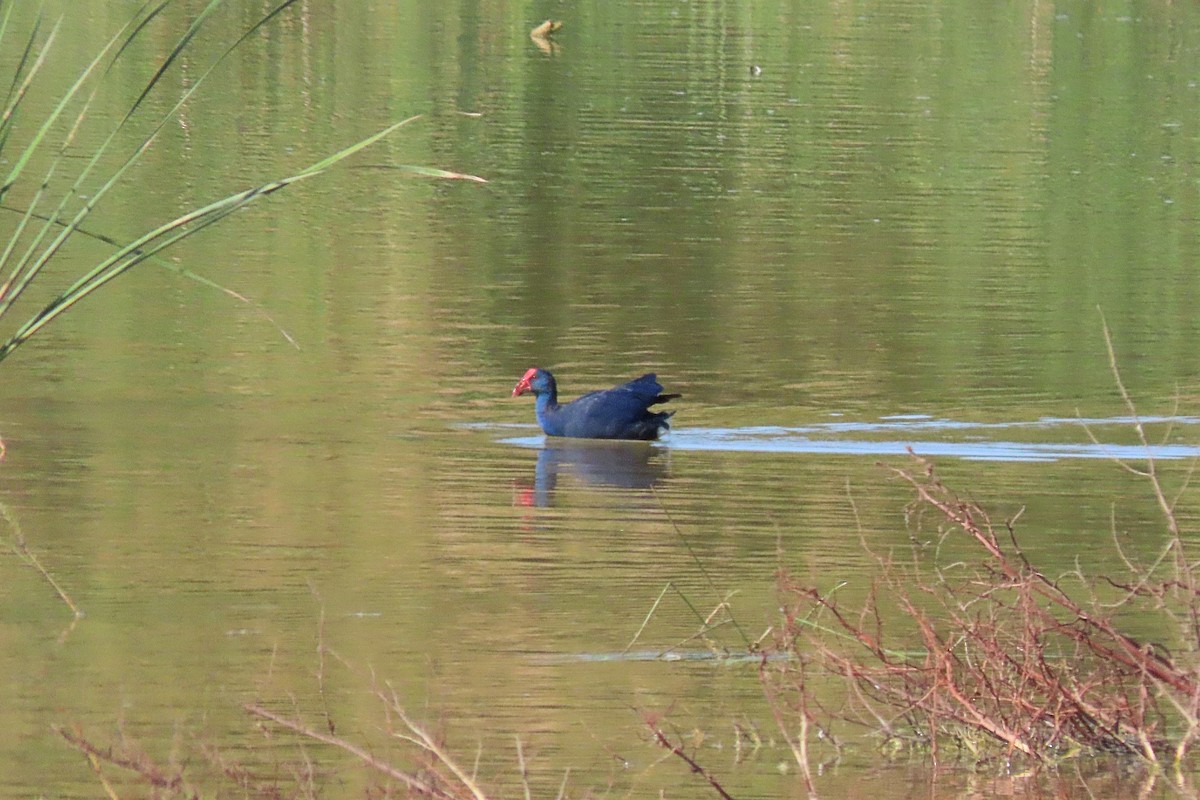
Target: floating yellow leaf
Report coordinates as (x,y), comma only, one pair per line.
(545,29)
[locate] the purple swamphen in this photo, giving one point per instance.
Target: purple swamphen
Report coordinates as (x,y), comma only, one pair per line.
(622,412)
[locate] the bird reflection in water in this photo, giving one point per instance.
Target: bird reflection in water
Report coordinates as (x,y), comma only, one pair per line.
(592,462)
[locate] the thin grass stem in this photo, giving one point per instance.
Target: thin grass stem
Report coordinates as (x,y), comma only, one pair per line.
(646,621)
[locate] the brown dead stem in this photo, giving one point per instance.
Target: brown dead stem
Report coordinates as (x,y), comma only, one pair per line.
(412,781)
(1006,654)
(126,758)
(1096,631)
(662,740)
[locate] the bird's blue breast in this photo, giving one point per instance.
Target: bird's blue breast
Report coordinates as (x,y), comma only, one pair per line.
(550,422)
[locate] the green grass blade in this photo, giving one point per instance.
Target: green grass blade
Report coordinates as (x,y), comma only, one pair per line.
(180,47)
(24,270)
(171,233)
(429,172)
(24,260)
(22,86)
(18,70)
(214,211)
(178,270)
(29,267)
(145,19)
(48,122)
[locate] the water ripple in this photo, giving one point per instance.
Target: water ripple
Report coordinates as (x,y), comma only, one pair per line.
(896,435)
(751,441)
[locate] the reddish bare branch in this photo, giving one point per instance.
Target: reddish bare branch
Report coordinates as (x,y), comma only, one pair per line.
(1007,654)
(667,744)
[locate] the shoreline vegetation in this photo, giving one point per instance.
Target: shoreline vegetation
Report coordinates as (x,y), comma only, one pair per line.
(57,185)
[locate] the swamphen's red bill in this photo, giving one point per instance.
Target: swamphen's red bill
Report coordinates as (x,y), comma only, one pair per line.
(622,412)
(523,386)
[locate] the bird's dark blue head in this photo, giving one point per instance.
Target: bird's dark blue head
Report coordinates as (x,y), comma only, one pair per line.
(535,380)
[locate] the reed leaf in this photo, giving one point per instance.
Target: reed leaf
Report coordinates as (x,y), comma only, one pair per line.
(170,233)
(182,272)
(30,265)
(39,235)
(429,172)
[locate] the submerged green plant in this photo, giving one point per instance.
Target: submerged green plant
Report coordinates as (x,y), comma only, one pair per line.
(46,220)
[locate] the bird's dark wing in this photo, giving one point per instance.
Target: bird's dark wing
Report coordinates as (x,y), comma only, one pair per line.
(617,413)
